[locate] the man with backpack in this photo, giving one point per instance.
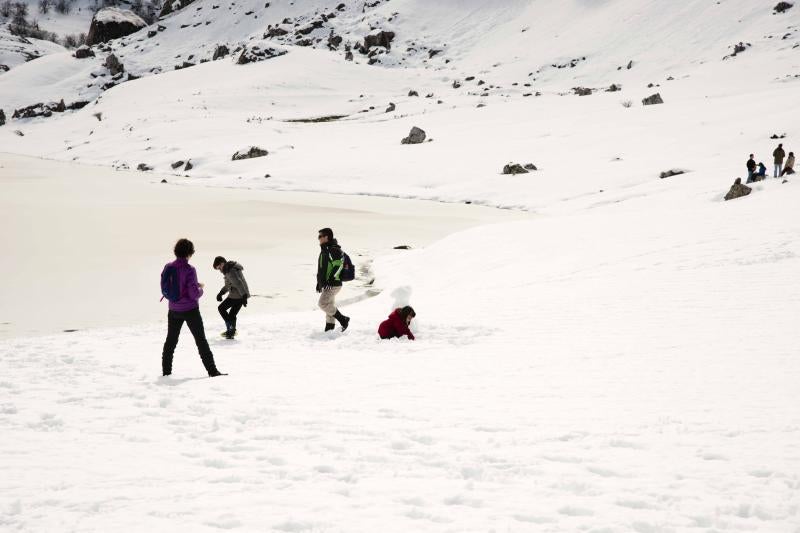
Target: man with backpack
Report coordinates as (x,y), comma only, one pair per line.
(333,267)
(237,290)
(179,285)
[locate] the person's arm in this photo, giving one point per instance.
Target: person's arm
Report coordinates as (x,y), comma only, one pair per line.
(402,328)
(322,270)
(193,288)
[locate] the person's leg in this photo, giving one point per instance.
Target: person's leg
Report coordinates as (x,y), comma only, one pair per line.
(195,322)
(236,306)
(174,324)
(223,308)
(327,302)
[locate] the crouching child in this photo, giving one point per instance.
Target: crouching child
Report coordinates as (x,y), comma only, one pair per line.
(398,324)
(237,290)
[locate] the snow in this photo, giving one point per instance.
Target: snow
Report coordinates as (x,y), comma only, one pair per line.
(609,352)
(117,15)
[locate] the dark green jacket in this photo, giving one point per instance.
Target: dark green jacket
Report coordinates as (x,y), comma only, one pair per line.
(329,265)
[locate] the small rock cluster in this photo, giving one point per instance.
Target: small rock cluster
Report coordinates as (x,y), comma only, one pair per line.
(516,168)
(249,153)
(256,53)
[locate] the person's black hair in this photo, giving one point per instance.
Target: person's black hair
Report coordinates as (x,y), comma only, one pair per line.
(184,248)
(407,311)
(328,232)
(219,260)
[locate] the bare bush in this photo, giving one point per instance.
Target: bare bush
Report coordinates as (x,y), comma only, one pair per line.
(627,103)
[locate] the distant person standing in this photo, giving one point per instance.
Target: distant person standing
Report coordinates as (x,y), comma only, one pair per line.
(329,278)
(751,168)
(237,290)
(762,171)
(789,168)
(778,156)
(179,285)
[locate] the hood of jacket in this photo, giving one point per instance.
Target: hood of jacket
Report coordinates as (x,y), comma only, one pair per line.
(231,265)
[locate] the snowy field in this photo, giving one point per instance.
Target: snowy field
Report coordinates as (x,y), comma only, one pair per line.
(598,349)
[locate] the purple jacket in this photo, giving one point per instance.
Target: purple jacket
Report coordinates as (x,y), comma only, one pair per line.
(190,290)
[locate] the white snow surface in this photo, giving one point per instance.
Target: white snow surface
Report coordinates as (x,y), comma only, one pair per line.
(624,359)
(115,14)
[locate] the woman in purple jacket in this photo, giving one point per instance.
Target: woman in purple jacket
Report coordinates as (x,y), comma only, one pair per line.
(186,309)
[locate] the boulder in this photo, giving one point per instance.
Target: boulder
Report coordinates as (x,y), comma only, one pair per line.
(189,166)
(249,153)
(220,51)
(582,91)
(2,117)
(334,40)
(348,56)
(653,100)
(783,6)
(514,168)
(530,166)
(112,23)
(275,32)
(383,38)
(412,92)
(113,65)
(614,88)
(144,167)
(416,136)
(83,52)
(738,189)
(391,107)
(671,172)
(176,164)
(257,53)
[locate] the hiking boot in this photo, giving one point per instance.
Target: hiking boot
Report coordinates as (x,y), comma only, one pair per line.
(216,373)
(343,320)
(329,327)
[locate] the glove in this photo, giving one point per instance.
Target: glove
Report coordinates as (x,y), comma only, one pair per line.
(219,296)
(244,301)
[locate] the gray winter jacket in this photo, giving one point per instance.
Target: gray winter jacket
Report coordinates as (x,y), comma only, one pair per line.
(235,283)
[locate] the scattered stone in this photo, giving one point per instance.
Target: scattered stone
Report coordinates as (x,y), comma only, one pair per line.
(98,116)
(582,91)
(112,23)
(433,53)
(412,92)
(276,32)
(177,164)
(383,38)
(783,7)
(189,166)
(417,136)
(348,56)
(738,189)
(776,136)
(671,172)
(456,84)
(4,68)
(220,51)
(653,100)
(334,41)
(614,88)
(163,181)
(256,53)
(113,65)
(402,247)
(2,117)
(83,52)
(144,167)
(267,176)
(630,64)
(530,166)
(785,181)
(250,153)
(391,107)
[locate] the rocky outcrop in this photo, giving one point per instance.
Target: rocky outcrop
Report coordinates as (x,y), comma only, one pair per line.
(383,38)
(2,118)
(257,53)
(83,52)
(249,153)
(783,6)
(39,110)
(653,100)
(220,51)
(582,91)
(144,167)
(416,136)
(112,23)
(738,189)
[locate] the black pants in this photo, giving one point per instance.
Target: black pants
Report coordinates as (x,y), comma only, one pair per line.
(175,322)
(228,309)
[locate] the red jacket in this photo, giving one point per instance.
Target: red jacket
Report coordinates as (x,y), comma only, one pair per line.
(394,326)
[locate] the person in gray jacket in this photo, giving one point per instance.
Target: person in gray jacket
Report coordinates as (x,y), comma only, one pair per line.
(237,290)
